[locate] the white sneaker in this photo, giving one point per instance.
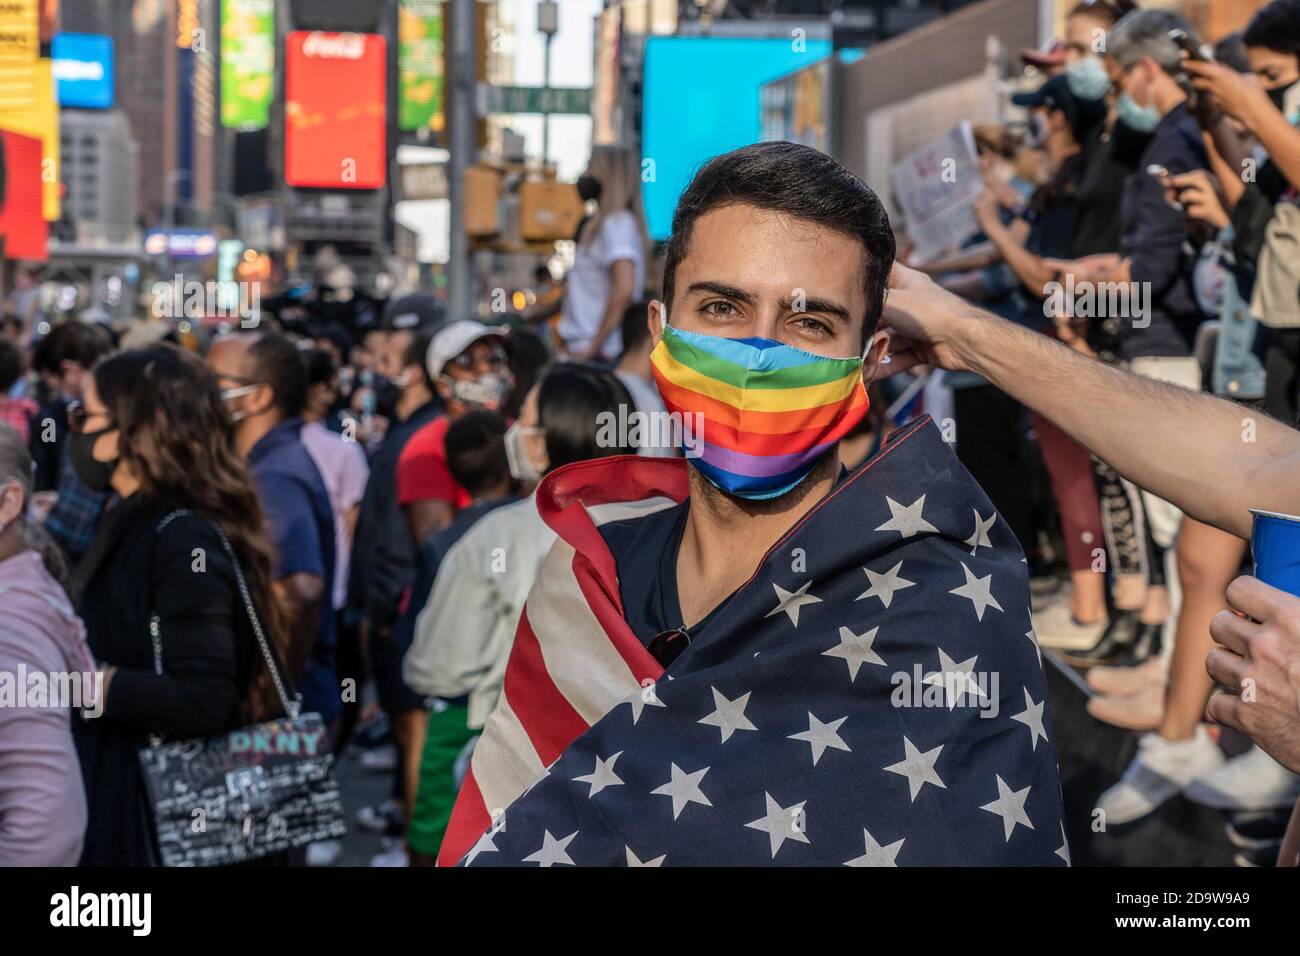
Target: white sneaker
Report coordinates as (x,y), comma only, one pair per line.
(1252,781)
(324,852)
(1161,769)
(392,856)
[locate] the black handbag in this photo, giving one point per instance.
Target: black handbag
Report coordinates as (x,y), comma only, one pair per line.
(247,794)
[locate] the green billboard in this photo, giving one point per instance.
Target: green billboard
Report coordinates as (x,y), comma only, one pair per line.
(420,35)
(247,62)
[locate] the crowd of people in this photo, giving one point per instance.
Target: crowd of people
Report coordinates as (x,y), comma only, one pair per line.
(386,493)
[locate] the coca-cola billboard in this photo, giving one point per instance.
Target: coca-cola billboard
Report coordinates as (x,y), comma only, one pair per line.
(334,113)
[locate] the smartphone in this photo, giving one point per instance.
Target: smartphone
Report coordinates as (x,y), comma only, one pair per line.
(1203,52)
(1162,176)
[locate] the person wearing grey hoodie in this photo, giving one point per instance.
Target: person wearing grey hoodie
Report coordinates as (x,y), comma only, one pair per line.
(43,660)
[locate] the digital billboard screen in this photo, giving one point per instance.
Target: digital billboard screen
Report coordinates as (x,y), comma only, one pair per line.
(247,62)
(334,110)
(420,49)
(686,121)
(83,70)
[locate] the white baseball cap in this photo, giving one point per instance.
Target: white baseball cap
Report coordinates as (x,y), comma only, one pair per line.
(454,338)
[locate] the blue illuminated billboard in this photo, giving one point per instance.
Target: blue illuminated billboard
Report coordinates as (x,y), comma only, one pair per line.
(702,97)
(83,70)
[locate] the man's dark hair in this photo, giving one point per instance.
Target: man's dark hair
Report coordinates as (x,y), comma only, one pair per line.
(798,181)
(11,365)
(276,362)
(476,451)
(417,351)
(1276,27)
(319,366)
(635,328)
(72,341)
(526,355)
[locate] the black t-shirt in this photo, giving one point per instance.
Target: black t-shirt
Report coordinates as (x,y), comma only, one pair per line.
(645,555)
(1109,158)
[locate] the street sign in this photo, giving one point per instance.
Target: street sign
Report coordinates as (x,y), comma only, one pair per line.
(423,180)
(533,99)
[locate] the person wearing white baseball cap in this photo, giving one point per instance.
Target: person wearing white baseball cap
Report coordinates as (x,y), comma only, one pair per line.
(468,365)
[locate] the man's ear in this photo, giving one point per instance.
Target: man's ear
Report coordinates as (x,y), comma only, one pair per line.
(656,316)
(875,354)
(11,503)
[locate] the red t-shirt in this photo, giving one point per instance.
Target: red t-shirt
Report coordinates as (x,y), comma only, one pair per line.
(422,472)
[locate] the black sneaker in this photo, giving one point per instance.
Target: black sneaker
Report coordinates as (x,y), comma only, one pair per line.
(1251,831)
(1120,635)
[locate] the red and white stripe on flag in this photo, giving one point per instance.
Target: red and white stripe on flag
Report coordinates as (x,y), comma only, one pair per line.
(574,658)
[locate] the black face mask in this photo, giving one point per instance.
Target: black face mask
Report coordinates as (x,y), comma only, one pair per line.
(588,188)
(95,475)
(1278,95)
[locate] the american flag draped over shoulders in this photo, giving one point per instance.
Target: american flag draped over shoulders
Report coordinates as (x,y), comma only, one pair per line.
(873,696)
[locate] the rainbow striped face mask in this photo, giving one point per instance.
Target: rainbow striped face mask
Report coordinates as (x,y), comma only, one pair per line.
(769,411)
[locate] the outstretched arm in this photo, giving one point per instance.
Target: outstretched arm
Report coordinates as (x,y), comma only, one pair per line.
(1213,459)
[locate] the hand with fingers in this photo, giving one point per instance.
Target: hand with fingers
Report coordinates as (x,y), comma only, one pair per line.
(924,321)
(1196,191)
(1258,666)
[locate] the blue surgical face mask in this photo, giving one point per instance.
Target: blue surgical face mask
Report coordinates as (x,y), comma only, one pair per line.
(1142,119)
(1087,78)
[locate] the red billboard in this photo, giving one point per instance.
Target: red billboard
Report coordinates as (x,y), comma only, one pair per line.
(22,227)
(334,110)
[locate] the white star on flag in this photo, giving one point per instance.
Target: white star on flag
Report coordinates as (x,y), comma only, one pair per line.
(820,736)
(781,823)
(876,855)
(1032,717)
(484,845)
(647,696)
(603,776)
(855,650)
(981,536)
(633,860)
(906,521)
(791,601)
(955,679)
(684,788)
(1010,806)
(1063,851)
(884,585)
(918,768)
(728,715)
(552,851)
(978,592)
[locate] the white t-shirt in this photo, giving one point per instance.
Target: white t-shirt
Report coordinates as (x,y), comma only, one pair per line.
(587,286)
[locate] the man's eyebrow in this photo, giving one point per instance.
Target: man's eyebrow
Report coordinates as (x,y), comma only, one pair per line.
(721,288)
(814,304)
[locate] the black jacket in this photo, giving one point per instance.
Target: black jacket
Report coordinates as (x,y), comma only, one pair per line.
(383,550)
(209,655)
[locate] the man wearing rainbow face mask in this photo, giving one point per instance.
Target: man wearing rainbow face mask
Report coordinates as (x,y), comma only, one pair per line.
(818,667)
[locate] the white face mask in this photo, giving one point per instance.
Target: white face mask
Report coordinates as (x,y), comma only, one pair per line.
(521,466)
(229,393)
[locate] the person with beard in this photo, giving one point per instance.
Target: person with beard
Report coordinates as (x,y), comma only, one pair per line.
(264,386)
(749,602)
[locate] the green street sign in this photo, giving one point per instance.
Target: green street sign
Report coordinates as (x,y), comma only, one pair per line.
(534,99)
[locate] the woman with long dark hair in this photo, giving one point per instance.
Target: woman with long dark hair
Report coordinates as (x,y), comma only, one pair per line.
(154,430)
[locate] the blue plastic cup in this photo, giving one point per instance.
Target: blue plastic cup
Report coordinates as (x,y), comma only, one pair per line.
(1275,546)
